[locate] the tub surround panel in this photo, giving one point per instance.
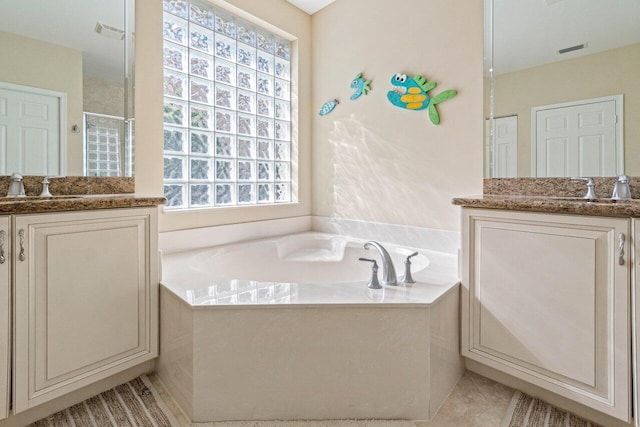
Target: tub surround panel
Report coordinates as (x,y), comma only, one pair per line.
(578,206)
(416,237)
(553,187)
(436,240)
(175,367)
(369,362)
(74,185)
(80,203)
(197,238)
(444,357)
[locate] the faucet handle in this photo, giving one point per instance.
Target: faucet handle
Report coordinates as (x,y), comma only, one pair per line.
(591,185)
(373,283)
(407,278)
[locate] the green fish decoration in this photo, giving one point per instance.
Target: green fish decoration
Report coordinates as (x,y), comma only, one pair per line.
(361,86)
(416,97)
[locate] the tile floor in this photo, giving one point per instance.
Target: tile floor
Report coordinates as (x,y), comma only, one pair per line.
(474,402)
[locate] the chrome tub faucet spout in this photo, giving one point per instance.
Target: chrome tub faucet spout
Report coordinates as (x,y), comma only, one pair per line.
(388,271)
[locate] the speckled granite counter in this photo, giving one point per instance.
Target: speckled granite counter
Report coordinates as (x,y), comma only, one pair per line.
(27,205)
(77,185)
(567,205)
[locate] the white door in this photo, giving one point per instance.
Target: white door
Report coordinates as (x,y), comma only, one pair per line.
(5,313)
(30,131)
(578,139)
(502,150)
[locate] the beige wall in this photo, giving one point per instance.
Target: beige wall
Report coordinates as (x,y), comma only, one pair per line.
(376,162)
(23,62)
(608,73)
(149,134)
(103,96)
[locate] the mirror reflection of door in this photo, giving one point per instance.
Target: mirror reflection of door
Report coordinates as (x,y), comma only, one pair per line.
(31,141)
(582,138)
(501,152)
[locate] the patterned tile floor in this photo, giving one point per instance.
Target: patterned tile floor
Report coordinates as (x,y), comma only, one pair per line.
(474,402)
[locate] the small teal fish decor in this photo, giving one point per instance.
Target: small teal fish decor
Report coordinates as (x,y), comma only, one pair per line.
(328,107)
(415,96)
(362,87)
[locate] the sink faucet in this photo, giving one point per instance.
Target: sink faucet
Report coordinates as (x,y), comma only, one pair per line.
(16,186)
(621,188)
(388,271)
(591,186)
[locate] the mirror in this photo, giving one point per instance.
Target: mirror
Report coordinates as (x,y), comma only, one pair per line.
(66,104)
(562,92)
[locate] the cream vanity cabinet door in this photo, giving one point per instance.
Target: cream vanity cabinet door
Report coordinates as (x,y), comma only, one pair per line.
(546,299)
(86,299)
(5,315)
(635,294)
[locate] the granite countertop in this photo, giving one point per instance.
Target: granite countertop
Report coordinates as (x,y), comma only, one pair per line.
(566,205)
(62,203)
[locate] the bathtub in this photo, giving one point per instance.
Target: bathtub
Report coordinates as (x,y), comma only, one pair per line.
(285,328)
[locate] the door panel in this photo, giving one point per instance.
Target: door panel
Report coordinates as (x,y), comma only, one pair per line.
(505,149)
(5,315)
(30,123)
(85,300)
(546,300)
(580,139)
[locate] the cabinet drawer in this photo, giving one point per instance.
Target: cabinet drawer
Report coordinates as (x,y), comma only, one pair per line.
(547,300)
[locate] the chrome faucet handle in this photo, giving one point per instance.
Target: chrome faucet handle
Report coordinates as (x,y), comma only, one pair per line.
(373,283)
(621,189)
(407,278)
(591,188)
(45,188)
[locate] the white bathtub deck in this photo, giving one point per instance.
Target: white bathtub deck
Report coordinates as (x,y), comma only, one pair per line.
(184,276)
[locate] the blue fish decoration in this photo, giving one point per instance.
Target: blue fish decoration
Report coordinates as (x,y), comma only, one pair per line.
(415,96)
(361,86)
(328,107)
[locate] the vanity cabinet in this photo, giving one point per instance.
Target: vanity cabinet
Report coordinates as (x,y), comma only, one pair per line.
(5,315)
(85,299)
(546,298)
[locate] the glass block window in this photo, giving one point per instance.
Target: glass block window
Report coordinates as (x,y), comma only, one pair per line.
(105,151)
(227,109)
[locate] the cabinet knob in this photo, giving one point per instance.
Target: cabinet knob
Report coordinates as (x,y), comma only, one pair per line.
(621,238)
(21,256)
(3,239)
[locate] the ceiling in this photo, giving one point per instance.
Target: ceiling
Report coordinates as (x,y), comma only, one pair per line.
(528,33)
(71,23)
(311,6)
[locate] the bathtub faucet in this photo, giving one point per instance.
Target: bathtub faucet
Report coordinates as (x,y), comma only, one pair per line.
(388,271)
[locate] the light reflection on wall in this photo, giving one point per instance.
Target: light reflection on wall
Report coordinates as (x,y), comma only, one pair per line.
(375,179)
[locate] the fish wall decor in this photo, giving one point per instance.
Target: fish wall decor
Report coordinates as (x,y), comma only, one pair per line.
(415,96)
